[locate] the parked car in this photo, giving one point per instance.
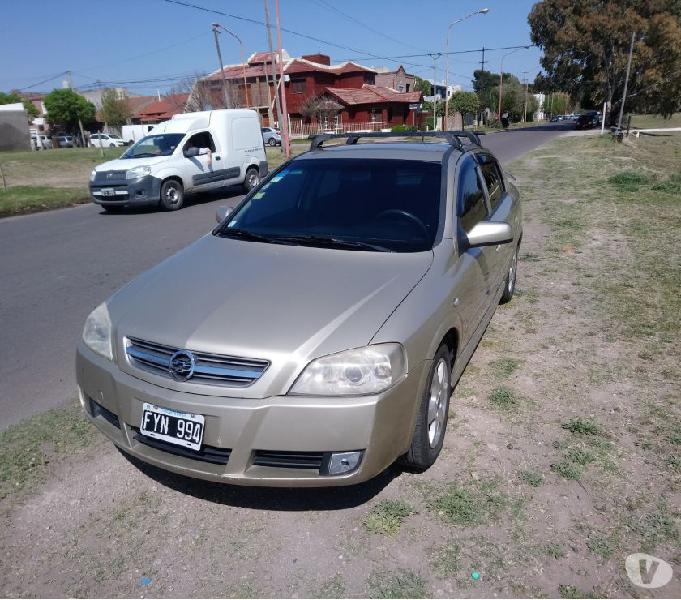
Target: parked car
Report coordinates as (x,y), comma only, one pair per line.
(271,137)
(105,140)
(556,119)
(191,152)
(41,142)
(588,121)
(66,141)
(317,334)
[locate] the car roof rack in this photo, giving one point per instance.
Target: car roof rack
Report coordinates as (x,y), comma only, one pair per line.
(452,137)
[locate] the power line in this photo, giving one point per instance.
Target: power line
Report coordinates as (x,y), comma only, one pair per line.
(28,87)
(290,31)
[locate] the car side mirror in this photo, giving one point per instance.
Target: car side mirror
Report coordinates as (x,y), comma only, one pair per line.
(222,213)
(191,152)
(490,233)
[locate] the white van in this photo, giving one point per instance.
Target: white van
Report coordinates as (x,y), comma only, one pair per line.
(134,133)
(191,152)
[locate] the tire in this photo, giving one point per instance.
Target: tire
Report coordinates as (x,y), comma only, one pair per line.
(252,179)
(112,145)
(509,282)
(431,420)
(272,142)
(172,195)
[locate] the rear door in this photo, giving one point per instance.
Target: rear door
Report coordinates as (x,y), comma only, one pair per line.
(246,145)
(501,209)
(473,267)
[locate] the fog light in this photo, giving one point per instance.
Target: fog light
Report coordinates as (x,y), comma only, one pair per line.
(343,462)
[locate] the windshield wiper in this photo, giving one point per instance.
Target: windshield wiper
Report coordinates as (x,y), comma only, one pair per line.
(331,242)
(242,234)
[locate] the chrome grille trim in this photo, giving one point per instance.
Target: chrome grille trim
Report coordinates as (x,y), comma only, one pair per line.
(209,369)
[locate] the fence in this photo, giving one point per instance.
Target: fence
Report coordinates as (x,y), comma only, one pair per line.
(302,130)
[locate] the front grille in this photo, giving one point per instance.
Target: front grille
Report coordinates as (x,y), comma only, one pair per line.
(210,369)
(104,177)
(289,460)
(209,454)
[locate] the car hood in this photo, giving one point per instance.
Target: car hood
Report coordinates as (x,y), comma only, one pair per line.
(286,304)
(123,164)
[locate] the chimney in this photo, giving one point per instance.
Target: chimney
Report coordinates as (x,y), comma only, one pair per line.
(322,59)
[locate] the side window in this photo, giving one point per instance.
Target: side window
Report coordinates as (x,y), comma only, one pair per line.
(493,180)
(201,140)
(470,202)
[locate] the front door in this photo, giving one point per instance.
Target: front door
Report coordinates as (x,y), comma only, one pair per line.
(201,168)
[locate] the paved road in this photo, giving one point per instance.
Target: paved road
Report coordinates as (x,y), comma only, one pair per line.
(55,267)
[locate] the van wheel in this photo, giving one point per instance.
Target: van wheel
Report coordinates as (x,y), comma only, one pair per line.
(172,195)
(252,179)
(509,282)
(431,420)
(271,142)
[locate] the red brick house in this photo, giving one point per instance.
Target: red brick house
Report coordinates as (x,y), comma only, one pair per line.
(163,109)
(348,86)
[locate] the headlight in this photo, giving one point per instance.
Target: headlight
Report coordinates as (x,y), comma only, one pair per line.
(93,174)
(368,370)
(137,172)
(97,331)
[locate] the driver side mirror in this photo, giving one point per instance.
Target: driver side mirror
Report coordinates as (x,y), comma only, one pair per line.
(490,233)
(191,152)
(222,213)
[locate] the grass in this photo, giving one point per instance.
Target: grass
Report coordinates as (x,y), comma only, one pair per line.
(387,516)
(400,583)
(28,448)
(531,478)
(504,398)
(469,505)
(331,588)
(22,199)
(90,156)
(555,551)
(445,559)
(567,469)
(655,121)
(629,181)
(505,367)
(581,426)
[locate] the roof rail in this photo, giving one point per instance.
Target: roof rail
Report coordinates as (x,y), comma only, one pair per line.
(452,137)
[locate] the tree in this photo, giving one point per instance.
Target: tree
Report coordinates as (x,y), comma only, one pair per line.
(13,98)
(320,108)
(422,85)
(586,43)
(66,108)
(464,102)
(115,108)
(557,103)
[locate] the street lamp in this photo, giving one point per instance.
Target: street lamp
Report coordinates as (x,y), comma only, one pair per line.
(501,76)
(482,11)
(215,27)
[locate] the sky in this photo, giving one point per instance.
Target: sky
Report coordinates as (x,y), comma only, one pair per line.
(127,43)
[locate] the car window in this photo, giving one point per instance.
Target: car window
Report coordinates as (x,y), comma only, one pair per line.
(201,140)
(389,203)
(471,207)
(493,180)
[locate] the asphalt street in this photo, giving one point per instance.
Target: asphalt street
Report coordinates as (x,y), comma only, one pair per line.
(56,266)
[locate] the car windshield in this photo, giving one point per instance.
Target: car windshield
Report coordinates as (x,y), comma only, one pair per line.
(379,205)
(162,144)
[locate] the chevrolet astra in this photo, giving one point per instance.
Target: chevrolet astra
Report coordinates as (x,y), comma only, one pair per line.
(315,336)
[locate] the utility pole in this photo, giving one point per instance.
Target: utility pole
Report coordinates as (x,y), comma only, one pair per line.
(284,126)
(215,27)
(482,62)
(626,79)
(241,55)
(273,73)
(525,108)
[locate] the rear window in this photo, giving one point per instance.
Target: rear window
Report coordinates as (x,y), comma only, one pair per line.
(392,203)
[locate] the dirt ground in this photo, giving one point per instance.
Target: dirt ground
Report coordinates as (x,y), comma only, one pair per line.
(561,457)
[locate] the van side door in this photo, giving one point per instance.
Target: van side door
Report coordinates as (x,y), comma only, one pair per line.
(472,284)
(501,209)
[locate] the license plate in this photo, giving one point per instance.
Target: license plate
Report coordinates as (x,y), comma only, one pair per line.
(108,192)
(179,428)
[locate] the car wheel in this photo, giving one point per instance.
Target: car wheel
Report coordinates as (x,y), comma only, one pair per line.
(252,179)
(271,142)
(112,145)
(172,195)
(509,282)
(431,420)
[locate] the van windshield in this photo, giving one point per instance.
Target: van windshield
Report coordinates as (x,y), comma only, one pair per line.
(162,144)
(378,205)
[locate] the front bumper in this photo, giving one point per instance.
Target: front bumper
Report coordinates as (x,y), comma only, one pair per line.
(125,192)
(244,428)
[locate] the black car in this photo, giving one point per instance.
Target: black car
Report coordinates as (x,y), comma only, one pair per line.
(588,121)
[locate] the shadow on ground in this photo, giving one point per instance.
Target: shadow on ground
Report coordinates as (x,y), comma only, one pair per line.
(270,498)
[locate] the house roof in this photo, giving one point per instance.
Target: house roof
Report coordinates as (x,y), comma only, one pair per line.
(255,67)
(164,109)
(372,94)
(138,103)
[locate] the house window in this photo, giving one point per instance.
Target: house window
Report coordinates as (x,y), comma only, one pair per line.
(407,85)
(298,86)
(375,115)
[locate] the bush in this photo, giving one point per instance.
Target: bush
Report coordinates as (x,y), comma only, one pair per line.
(403,128)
